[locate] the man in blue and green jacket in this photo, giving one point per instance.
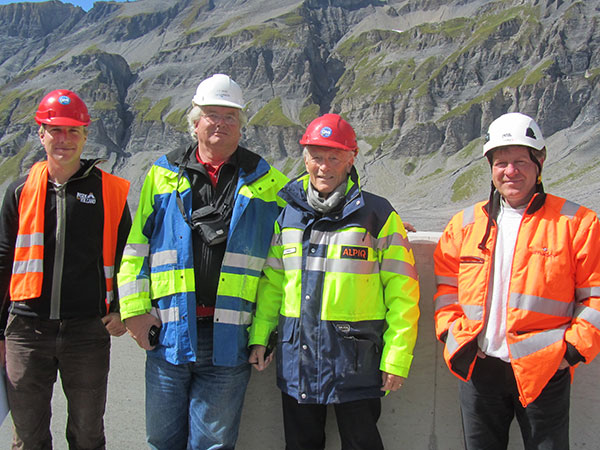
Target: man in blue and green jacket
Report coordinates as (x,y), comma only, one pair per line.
(341,288)
(190,272)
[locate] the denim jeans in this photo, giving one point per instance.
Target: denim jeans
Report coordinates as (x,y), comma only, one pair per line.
(194,406)
(35,350)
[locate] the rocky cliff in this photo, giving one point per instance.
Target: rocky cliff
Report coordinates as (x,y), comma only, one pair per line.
(420,80)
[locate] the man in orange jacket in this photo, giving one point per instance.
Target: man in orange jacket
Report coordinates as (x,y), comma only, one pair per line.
(63,228)
(518,299)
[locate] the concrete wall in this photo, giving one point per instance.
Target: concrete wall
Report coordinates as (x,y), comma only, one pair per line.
(423,415)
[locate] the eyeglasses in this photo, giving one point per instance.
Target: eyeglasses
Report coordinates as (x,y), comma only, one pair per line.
(214,118)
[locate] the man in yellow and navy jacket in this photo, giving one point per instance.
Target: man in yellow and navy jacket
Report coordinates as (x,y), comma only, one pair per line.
(341,288)
(518,300)
(190,272)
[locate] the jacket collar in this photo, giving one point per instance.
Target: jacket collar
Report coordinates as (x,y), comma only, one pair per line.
(294,193)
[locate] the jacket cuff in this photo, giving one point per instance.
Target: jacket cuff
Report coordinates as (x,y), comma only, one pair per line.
(573,356)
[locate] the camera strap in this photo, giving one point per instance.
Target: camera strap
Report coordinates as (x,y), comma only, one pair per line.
(224,209)
(182,167)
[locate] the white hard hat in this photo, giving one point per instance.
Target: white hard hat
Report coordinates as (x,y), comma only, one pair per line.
(513,129)
(219,90)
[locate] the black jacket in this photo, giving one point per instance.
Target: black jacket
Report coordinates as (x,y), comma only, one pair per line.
(81,277)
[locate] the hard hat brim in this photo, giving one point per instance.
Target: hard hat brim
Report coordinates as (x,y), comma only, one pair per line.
(62,122)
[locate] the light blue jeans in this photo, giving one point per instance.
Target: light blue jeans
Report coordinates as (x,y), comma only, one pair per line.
(194,406)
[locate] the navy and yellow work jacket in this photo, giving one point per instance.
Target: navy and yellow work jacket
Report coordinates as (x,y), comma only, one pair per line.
(343,291)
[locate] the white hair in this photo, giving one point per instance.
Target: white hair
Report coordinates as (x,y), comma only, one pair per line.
(196,112)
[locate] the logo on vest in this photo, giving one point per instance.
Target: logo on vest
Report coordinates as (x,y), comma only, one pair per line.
(88,199)
(354,253)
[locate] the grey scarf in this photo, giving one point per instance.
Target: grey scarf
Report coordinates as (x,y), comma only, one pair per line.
(325,205)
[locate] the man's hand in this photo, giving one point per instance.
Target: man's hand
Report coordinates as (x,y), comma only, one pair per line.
(114,325)
(409,227)
(138,327)
(391,382)
(564,364)
(257,357)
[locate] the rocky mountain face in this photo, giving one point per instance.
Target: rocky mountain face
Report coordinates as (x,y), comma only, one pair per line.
(420,80)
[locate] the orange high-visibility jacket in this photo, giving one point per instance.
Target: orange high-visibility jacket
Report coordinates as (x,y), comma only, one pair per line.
(27,276)
(554,292)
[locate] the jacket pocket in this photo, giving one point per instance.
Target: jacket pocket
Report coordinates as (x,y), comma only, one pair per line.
(359,347)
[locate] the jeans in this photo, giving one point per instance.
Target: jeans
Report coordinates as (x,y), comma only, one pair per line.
(490,401)
(304,424)
(35,350)
(194,406)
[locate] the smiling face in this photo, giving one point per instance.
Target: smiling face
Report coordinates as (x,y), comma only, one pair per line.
(218,131)
(514,174)
(63,144)
(327,167)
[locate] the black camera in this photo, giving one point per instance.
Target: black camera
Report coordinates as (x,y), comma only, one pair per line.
(209,223)
(153,335)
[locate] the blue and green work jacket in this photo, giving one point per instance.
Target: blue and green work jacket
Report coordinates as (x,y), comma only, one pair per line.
(342,290)
(157,268)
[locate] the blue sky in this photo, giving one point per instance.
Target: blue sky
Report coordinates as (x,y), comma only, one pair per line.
(85,4)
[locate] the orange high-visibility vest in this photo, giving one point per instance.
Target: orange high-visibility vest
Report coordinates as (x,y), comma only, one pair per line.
(554,291)
(27,274)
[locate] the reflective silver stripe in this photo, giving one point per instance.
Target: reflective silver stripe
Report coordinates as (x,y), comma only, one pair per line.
(468,216)
(233,317)
(163,258)
(472,312)
(168,315)
(401,267)
(569,209)
(451,344)
(110,296)
(274,263)
(537,342)
(292,263)
(243,261)
(588,314)
(541,305)
(27,240)
(393,239)
(134,287)
(109,271)
(326,237)
(359,238)
(290,236)
(139,250)
(339,265)
(445,300)
(450,281)
(583,293)
(30,265)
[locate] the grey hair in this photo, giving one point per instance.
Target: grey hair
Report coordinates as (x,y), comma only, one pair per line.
(196,112)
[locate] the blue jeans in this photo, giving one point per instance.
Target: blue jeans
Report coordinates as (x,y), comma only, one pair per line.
(194,405)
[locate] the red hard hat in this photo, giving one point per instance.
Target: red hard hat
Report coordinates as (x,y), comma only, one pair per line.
(63,108)
(330,130)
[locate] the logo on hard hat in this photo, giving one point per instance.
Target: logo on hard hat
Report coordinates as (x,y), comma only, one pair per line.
(64,100)
(326,132)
